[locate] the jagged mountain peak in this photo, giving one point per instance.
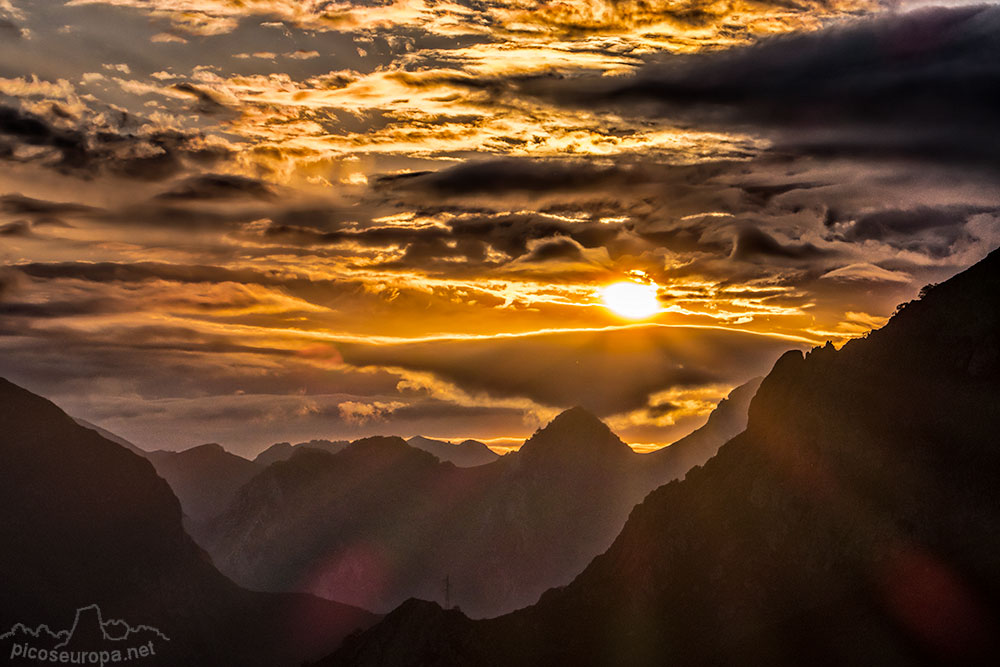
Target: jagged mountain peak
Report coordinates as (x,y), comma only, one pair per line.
(575,434)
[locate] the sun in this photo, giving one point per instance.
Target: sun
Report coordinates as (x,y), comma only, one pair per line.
(631,300)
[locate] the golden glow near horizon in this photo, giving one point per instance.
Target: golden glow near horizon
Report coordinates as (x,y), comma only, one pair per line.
(631,300)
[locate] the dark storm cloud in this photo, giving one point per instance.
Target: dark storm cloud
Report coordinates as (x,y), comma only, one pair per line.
(219,186)
(608,371)
(10,30)
(320,291)
(463,237)
(189,361)
(142,271)
(753,243)
(16,228)
(257,394)
(419,253)
(510,175)
(931,231)
(762,194)
(17,204)
(53,309)
(433,409)
(89,150)
(662,409)
(178,215)
(206,102)
(923,84)
(511,234)
(323,292)
(626,209)
(33,130)
(894,224)
(322,218)
(559,249)
(371,237)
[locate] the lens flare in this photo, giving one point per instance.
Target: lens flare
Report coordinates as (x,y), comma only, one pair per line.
(634,301)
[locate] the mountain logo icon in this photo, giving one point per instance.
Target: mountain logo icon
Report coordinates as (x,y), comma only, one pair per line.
(90,640)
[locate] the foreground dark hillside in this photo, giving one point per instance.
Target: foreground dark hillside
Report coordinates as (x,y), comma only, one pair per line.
(853,522)
(87,522)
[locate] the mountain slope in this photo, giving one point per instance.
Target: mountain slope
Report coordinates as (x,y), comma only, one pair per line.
(728,420)
(108,435)
(85,521)
(466,454)
(853,522)
(204,478)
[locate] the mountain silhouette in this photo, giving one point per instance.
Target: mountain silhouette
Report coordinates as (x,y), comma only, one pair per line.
(575,437)
(728,420)
(282,451)
(466,454)
(87,521)
(108,435)
(383,521)
(852,522)
(204,478)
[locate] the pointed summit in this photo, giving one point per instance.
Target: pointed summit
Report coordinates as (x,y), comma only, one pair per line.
(576,435)
(579,414)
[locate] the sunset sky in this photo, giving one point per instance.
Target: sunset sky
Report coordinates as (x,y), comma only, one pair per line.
(253,221)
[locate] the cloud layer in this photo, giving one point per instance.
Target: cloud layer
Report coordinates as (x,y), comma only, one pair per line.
(259,221)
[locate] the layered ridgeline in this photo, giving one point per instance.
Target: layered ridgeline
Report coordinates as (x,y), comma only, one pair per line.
(204,478)
(207,477)
(283,451)
(466,454)
(383,521)
(89,529)
(853,522)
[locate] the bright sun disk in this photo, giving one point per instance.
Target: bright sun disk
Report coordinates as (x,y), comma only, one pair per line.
(632,300)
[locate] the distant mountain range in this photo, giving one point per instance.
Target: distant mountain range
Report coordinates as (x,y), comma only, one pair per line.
(466,454)
(853,522)
(88,522)
(382,521)
(500,535)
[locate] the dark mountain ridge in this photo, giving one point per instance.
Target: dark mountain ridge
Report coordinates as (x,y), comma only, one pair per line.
(466,454)
(853,522)
(88,522)
(728,420)
(204,478)
(282,451)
